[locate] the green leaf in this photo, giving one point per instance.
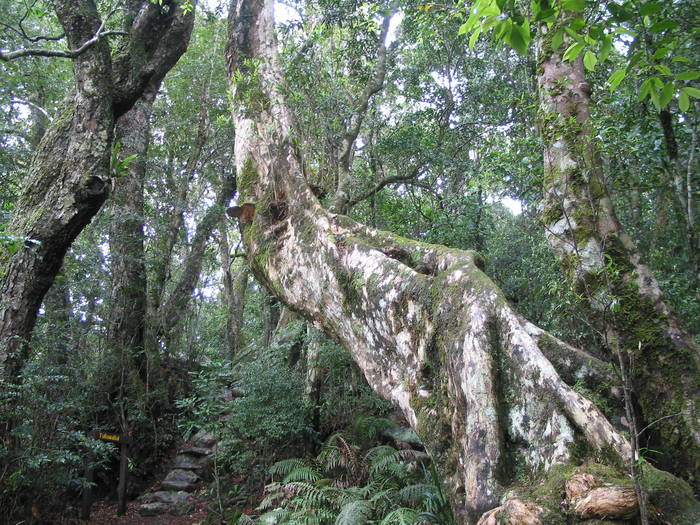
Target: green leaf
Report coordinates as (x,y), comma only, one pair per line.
(654,95)
(519,38)
(590,60)
(644,89)
(667,94)
(688,75)
(663,26)
(557,39)
(681,59)
(651,8)
(691,91)
(605,47)
(683,101)
(574,5)
(573,51)
(660,53)
(616,78)
(474,37)
(663,69)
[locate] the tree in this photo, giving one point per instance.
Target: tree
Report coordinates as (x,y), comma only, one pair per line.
(69,178)
(484,389)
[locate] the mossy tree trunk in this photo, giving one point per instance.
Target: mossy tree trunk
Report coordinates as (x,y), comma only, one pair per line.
(488,393)
(69,178)
(127,303)
(604,266)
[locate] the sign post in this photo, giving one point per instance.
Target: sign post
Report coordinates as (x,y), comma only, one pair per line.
(124,441)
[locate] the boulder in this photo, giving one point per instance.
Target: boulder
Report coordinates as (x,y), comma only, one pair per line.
(171,497)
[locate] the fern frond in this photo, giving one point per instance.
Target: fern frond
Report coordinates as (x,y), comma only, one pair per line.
(273,493)
(354,513)
(401,516)
(302,473)
(274,517)
(284,467)
(414,494)
(245,520)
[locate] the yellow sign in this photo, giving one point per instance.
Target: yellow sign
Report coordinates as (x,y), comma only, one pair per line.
(109,437)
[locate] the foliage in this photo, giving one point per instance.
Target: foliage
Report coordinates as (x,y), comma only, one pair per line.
(347,485)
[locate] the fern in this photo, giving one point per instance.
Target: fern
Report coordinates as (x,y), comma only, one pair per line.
(354,513)
(302,473)
(284,467)
(401,516)
(245,520)
(416,493)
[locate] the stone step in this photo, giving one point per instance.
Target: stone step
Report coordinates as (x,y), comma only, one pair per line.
(197,451)
(153,509)
(180,479)
(187,462)
(170,497)
(204,439)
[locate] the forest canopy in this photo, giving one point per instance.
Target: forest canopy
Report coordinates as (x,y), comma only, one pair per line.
(354,261)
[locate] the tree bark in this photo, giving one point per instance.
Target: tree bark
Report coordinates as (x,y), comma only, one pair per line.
(170,314)
(602,263)
(431,332)
(235,286)
(127,305)
(69,178)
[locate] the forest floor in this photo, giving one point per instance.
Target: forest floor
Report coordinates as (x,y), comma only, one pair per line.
(106,514)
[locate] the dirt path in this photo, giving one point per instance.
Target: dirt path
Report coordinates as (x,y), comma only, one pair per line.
(103,514)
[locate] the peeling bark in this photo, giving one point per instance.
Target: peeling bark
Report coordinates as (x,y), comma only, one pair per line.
(625,300)
(431,332)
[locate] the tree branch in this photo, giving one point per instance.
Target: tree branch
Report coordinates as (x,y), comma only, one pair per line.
(60,53)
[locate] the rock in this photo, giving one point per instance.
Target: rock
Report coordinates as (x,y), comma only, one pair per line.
(171,497)
(197,451)
(186,462)
(513,512)
(179,479)
(205,439)
(153,509)
(407,435)
(180,509)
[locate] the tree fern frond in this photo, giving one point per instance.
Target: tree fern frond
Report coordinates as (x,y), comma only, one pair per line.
(354,513)
(284,467)
(414,494)
(273,493)
(244,519)
(401,516)
(274,517)
(302,473)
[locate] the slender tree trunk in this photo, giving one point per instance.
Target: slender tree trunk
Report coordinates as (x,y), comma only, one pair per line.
(430,330)
(625,300)
(170,314)
(235,286)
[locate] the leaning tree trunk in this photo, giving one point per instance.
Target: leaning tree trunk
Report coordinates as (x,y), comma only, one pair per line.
(431,332)
(67,184)
(69,178)
(603,264)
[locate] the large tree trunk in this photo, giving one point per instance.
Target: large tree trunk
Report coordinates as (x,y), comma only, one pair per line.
(127,305)
(431,332)
(603,264)
(69,178)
